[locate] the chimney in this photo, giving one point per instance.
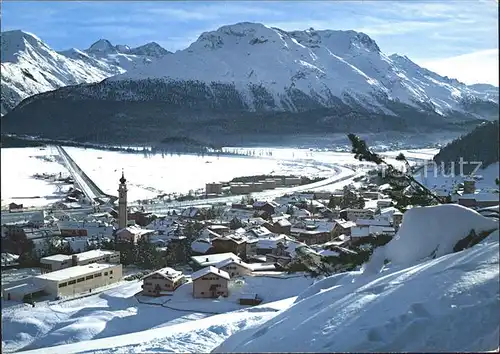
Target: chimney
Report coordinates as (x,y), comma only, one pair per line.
(74,260)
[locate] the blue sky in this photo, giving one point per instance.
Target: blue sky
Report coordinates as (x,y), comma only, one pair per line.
(455,38)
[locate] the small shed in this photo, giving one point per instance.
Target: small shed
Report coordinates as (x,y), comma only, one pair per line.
(250,299)
(14,206)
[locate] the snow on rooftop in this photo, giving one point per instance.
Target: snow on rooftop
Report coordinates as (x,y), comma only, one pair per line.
(211,259)
(94,254)
(56,258)
(210,270)
(76,271)
(200,246)
(167,272)
(231,261)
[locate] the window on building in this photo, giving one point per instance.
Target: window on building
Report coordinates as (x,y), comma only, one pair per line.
(88,277)
(79,280)
(105,273)
(62,285)
(71,282)
(110,272)
(202,293)
(148,283)
(97,275)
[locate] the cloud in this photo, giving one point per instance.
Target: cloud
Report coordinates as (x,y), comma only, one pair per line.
(420,29)
(214,11)
(472,68)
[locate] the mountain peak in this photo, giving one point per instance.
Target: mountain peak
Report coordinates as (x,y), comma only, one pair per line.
(102,46)
(151,49)
(14,42)
(122,48)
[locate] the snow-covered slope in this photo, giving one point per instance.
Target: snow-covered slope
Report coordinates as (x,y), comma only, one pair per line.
(121,56)
(445,304)
(321,64)
(486,91)
(29,66)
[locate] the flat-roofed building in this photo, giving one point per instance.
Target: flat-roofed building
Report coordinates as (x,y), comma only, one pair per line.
(79,279)
(213,188)
(62,261)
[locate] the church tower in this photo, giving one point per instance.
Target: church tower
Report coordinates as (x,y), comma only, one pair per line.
(122,203)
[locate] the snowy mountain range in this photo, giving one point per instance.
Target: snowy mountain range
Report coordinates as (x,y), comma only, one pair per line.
(252,78)
(29,66)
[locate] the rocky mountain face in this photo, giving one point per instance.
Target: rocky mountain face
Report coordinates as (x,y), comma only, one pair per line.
(249,78)
(29,66)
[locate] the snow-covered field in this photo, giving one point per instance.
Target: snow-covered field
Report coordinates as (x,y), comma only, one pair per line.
(148,177)
(18,167)
(117,312)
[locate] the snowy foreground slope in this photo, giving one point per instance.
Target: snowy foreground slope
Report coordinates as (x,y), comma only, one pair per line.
(117,311)
(29,66)
(448,303)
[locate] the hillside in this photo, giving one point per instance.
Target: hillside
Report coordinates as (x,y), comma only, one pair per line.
(249,78)
(422,301)
(480,145)
(29,66)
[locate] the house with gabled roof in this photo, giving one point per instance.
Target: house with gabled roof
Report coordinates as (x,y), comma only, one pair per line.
(162,282)
(235,268)
(342,227)
(210,282)
(207,260)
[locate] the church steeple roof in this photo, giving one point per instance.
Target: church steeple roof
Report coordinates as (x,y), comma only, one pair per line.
(123,180)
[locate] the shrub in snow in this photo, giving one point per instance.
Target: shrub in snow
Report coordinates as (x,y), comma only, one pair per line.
(434,231)
(344,260)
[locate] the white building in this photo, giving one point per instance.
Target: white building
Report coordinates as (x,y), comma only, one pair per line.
(66,282)
(79,279)
(62,261)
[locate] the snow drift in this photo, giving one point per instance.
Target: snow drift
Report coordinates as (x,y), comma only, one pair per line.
(445,304)
(430,231)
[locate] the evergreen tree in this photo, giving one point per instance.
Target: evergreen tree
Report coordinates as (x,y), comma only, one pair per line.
(333,203)
(405,189)
(350,198)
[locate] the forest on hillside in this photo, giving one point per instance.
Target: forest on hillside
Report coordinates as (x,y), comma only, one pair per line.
(479,145)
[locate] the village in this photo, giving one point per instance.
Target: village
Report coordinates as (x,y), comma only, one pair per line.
(210,247)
